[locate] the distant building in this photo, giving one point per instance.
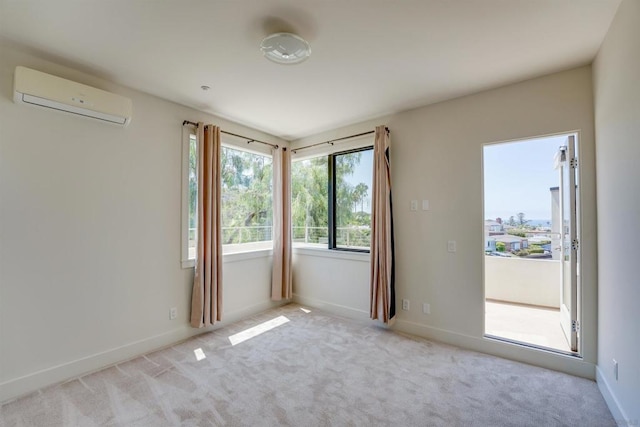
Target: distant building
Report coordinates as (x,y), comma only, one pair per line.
(492,227)
(512,243)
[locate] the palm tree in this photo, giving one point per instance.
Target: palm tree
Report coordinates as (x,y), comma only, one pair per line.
(359,194)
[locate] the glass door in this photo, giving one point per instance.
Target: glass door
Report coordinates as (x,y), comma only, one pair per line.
(567,165)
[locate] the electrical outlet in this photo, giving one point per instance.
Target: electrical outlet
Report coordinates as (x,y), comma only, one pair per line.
(173,313)
(615,369)
(451,246)
(414,205)
(405,304)
(426,308)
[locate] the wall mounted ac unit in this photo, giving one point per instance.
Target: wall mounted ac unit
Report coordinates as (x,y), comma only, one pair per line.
(44,90)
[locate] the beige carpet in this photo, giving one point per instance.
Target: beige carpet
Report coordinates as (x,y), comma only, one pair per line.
(314,370)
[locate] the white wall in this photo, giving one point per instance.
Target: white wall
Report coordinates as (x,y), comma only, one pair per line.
(617,115)
(436,154)
(90,235)
(332,280)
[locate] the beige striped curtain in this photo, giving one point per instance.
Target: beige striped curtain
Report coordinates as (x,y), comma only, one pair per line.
(281,278)
(383,296)
(206,299)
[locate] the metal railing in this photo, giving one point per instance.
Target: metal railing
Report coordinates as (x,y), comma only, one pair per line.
(355,236)
(246,234)
(236,235)
(310,234)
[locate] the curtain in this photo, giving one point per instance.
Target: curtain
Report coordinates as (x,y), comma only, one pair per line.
(206,298)
(281,283)
(383,295)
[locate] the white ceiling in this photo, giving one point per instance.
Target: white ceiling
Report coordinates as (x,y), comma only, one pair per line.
(369,57)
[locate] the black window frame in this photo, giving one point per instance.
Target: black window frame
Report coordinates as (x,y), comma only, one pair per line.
(332,202)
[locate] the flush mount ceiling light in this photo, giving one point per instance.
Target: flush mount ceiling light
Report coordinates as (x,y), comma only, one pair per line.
(285,48)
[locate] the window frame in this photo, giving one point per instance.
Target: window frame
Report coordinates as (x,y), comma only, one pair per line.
(185,261)
(263,245)
(332,226)
(242,250)
(360,143)
(317,246)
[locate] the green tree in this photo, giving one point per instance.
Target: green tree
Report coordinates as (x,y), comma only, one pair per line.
(500,247)
(517,233)
(246,196)
(536,249)
(521,221)
(309,196)
(193,182)
(359,193)
(309,204)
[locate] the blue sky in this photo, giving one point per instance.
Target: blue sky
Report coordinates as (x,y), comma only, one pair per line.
(517,178)
(363,173)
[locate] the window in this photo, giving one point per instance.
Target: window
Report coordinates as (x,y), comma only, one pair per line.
(189,197)
(331,200)
(247,199)
(247,196)
(352,176)
(309,201)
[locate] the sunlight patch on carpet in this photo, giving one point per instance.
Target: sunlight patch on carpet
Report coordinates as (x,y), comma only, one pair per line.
(199,354)
(257,330)
(305,310)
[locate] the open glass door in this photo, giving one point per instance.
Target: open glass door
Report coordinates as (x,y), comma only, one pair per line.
(567,164)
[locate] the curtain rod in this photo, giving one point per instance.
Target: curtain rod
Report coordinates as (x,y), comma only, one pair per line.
(331,141)
(249,140)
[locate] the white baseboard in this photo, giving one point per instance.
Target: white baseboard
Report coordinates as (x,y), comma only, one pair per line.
(28,383)
(20,386)
(244,312)
(340,310)
(545,359)
(614,406)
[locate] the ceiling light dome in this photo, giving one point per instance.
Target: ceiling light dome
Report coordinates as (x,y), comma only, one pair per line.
(285,48)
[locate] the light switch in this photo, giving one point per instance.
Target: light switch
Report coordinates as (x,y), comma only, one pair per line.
(451,246)
(426,308)
(425,205)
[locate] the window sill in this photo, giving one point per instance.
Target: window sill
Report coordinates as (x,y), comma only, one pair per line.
(247,254)
(240,252)
(317,251)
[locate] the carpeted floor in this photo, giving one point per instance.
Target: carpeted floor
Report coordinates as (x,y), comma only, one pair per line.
(314,370)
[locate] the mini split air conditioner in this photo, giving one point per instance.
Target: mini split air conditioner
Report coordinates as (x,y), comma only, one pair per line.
(44,90)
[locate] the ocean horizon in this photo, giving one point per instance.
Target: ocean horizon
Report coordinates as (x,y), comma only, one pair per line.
(531,222)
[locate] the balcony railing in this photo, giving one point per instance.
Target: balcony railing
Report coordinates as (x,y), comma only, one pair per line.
(245,234)
(354,236)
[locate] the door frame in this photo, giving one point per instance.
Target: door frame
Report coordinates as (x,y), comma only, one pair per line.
(579,352)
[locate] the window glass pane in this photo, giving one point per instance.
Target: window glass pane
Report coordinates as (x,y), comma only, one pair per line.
(354,172)
(246,197)
(193,195)
(309,213)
